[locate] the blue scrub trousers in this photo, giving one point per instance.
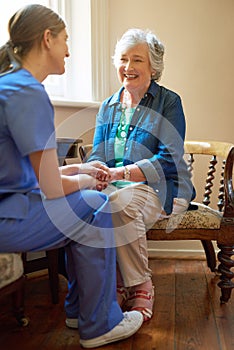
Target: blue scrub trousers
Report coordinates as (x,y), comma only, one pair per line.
(81,222)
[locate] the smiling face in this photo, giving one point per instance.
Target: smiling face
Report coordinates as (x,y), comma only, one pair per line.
(58,51)
(134,69)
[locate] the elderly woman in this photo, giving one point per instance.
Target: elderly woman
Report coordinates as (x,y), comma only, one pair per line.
(139,135)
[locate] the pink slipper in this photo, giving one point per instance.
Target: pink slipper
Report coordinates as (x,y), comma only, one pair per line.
(141,300)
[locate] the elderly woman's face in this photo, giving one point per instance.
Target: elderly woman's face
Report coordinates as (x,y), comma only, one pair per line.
(134,69)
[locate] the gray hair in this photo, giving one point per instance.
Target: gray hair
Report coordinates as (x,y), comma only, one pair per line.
(136,36)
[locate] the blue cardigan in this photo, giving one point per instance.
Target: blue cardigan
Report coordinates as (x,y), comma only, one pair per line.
(155,142)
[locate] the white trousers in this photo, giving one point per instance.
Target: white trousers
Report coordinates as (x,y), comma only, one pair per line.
(135,209)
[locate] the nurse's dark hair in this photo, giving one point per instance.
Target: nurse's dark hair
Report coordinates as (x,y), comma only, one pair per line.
(26,29)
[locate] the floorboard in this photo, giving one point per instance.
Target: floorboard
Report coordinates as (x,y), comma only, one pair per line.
(187,314)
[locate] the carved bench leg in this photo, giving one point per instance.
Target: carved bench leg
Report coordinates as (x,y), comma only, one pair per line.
(226,264)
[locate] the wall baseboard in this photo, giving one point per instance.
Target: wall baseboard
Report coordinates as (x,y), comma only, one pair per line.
(186,249)
(176,254)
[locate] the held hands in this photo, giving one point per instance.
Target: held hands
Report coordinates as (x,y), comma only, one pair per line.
(99,174)
(96,175)
(96,169)
(92,175)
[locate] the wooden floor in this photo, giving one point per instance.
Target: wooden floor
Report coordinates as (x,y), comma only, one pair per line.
(187,314)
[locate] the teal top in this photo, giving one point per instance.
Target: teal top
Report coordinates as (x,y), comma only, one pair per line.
(120,141)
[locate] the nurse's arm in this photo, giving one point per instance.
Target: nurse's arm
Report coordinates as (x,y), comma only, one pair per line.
(52,183)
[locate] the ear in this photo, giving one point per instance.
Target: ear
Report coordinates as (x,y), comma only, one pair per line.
(47,38)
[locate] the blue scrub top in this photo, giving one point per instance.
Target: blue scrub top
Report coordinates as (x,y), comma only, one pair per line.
(26,126)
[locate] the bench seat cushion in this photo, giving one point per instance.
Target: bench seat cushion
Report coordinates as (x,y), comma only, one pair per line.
(203,217)
(11,268)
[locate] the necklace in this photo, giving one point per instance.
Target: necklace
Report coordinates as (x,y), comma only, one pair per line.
(125,120)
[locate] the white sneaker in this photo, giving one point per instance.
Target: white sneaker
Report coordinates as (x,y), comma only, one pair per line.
(130,324)
(72,322)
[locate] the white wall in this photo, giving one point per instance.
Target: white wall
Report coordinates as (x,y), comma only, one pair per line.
(199,56)
(199,65)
